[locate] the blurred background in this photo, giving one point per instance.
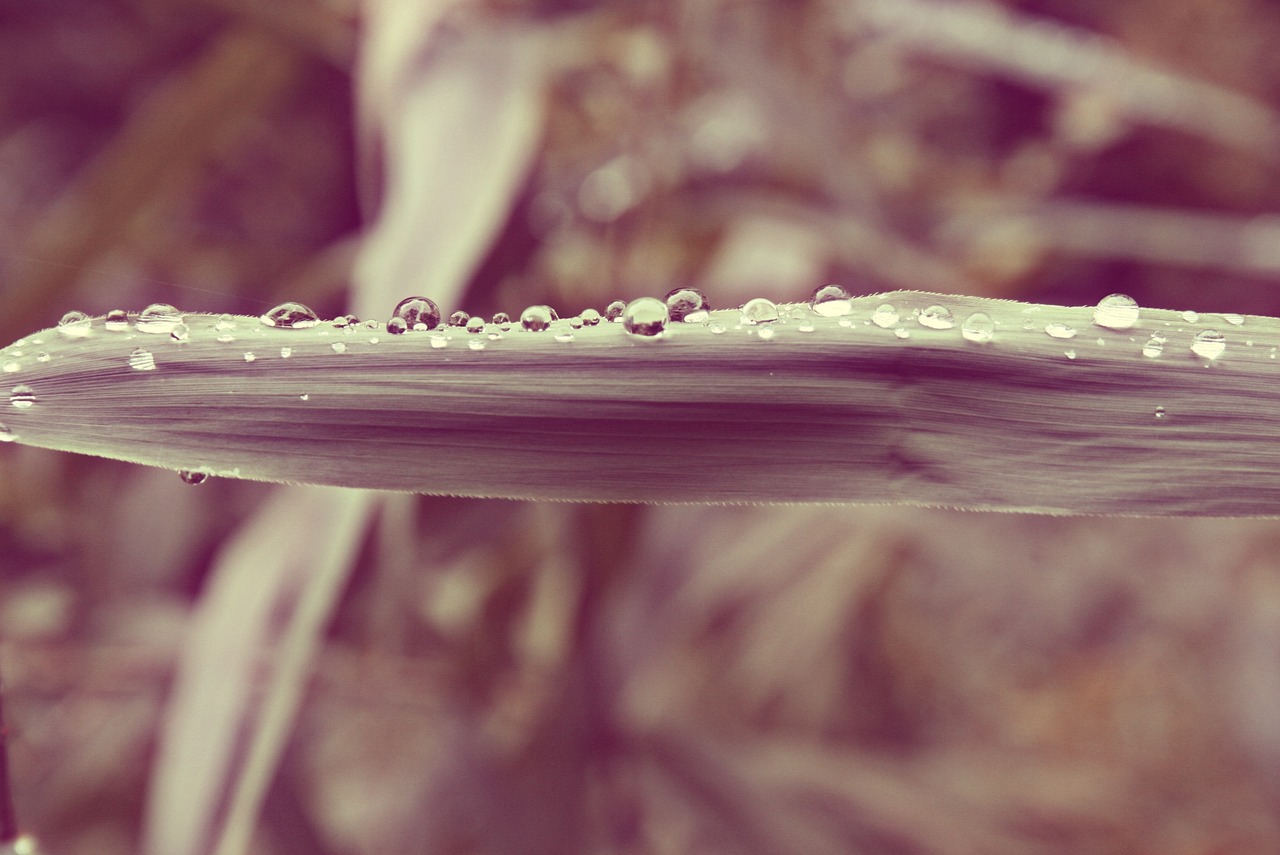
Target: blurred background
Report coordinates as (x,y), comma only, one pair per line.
(502,677)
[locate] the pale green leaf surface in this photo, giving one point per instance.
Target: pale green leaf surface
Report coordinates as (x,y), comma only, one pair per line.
(840,413)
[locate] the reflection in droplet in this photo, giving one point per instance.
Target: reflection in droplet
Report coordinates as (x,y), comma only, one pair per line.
(688,305)
(193,476)
(116,320)
(537,318)
(614,310)
(936,318)
(759,311)
(475,325)
(418,313)
(180,332)
(1160,413)
(23,397)
(158,318)
(831,301)
(500,318)
(1116,312)
(645,317)
(142,360)
(290,316)
(590,317)
(459,319)
(1209,344)
(978,327)
(74,325)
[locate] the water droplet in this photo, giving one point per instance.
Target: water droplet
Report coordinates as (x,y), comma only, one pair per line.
(11,366)
(286,352)
(564,337)
(22,397)
(180,332)
(158,318)
(1160,413)
(645,316)
(687,305)
(74,325)
(978,327)
(901,333)
(371,324)
(759,311)
(43,357)
(476,344)
(225,322)
(1234,320)
(805,326)
(290,316)
(1116,312)
(1209,344)
(116,320)
(439,339)
(495,336)
(717,328)
(1154,347)
(459,319)
(346,323)
(1060,330)
(339,347)
(538,318)
(304,397)
(885,315)
(1070,354)
(1190,316)
(475,325)
(936,318)
(831,301)
(614,310)
(575,322)
(248,356)
(765,333)
(142,360)
(418,314)
(500,318)
(193,476)
(397,326)
(590,317)
(7,434)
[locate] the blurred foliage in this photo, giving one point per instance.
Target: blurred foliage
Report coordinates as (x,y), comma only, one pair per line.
(511,678)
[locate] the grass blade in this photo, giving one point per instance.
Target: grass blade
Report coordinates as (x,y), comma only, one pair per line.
(822,410)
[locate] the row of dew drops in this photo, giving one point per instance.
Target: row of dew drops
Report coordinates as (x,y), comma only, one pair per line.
(645,318)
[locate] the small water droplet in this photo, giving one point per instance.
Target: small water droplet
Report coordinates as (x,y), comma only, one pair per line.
(371,324)
(564,337)
(590,317)
(759,311)
(1070,354)
(1234,320)
(495,336)
(1116,312)
(180,332)
(286,352)
(978,327)
(116,320)
(765,333)
(831,301)
(304,397)
(476,344)
(43,357)
(475,325)
(418,314)
(1060,330)
(885,315)
(614,310)
(338,347)
(500,318)
(645,317)
(75,325)
(1160,413)
(158,318)
(439,340)
(7,434)
(397,326)
(346,323)
(142,360)
(248,356)
(805,326)
(575,322)
(459,319)
(936,318)
(1190,316)
(901,333)
(1209,344)
(290,316)
(1154,347)
(538,318)
(687,305)
(22,397)
(193,476)
(11,366)
(717,328)
(225,322)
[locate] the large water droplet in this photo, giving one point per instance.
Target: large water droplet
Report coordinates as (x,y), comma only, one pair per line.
(418,313)
(831,301)
(346,323)
(1209,344)
(12,366)
(500,318)
(978,327)
(1060,330)
(158,318)
(688,305)
(1154,347)
(116,320)
(193,476)
(1116,312)
(475,325)
(590,317)
(142,360)
(290,316)
(180,332)
(936,318)
(23,397)
(759,311)
(74,325)
(614,310)
(397,326)
(885,315)
(459,319)
(645,316)
(537,318)
(7,434)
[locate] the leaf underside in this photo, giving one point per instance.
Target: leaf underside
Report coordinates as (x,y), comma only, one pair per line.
(825,410)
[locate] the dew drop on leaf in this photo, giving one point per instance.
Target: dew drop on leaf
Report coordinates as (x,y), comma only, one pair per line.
(439,340)
(1209,344)
(23,397)
(74,325)
(885,315)
(1234,320)
(500,318)
(1154,347)
(1160,413)
(1060,330)
(248,356)
(11,366)
(418,313)
(564,337)
(766,333)
(225,322)
(1190,316)
(645,317)
(537,318)
(978,327)
(193,476)
(687,305)
(759,311)
(290,316)
(1116,312)
(936,318)
(476,344)
(286,352)
(475,325)
(397,326)
(614,310)
(339,347)
(142,360)
(158,318)
(116,320)
(831,301)
(590,317)
(901,333)
(459,319)
(43,357)
(180,332)
(7,434)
